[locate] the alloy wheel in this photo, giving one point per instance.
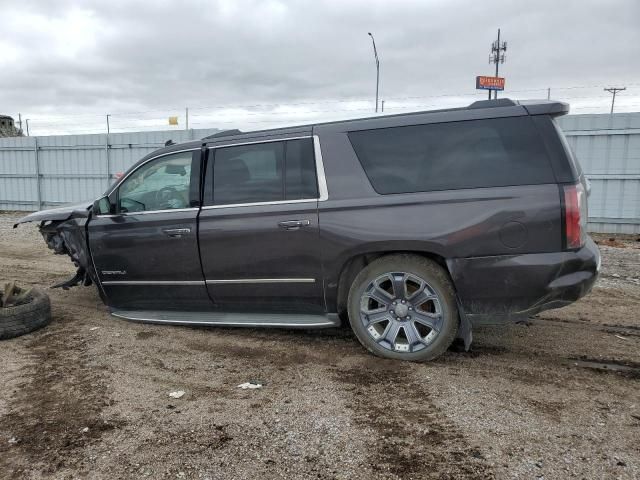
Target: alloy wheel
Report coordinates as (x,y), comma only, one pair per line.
(401,312)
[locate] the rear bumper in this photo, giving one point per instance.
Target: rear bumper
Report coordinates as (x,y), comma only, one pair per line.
(501,289)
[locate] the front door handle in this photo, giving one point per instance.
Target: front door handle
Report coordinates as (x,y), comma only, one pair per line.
(294,224)
(176,232)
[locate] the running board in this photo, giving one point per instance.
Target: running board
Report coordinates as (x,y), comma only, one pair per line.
(225,319)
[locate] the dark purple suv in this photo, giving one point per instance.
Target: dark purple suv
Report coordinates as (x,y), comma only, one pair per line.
(414,227)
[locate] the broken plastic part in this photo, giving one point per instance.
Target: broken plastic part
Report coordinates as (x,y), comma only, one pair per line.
(80,276)
(465,331)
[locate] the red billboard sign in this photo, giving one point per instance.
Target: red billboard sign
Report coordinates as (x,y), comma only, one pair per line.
(489,83)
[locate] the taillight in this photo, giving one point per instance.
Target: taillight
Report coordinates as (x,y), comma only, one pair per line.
(575,215)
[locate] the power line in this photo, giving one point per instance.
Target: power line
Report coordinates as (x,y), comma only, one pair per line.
(280,115)
(315,102)
(614,90)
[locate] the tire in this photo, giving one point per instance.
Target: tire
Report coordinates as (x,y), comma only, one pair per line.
(404,272)
(23,319)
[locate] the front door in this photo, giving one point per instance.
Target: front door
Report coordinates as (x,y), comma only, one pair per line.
(259,237)
(146,254)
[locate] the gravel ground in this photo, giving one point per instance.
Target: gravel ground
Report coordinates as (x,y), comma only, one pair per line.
(88,396)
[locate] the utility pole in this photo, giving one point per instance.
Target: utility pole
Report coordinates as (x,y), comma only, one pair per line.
(382,105)
(614,90)
(549,93)
(27,122)
(186,116)
(20,121)
(375,54)
(497,56)
(108,115)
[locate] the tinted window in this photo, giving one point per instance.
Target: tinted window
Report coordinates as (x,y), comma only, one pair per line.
(443,156)
(161,184)
(262,172)
(248,173)
(301,179)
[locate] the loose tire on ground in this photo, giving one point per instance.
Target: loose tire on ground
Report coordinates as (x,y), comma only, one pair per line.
(439,284)
(23,319)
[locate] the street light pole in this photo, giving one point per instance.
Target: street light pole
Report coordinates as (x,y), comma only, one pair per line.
(27,122)
(375,53)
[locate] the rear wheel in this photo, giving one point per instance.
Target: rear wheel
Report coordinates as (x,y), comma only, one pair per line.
(403,306)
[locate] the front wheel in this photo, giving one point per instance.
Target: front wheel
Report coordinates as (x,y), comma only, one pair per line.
(403,307)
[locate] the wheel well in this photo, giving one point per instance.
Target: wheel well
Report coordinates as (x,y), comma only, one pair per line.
(354,265)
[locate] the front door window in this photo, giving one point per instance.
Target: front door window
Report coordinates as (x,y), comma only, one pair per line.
(161,184)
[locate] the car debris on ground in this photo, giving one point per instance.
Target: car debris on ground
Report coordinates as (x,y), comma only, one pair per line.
(249,386)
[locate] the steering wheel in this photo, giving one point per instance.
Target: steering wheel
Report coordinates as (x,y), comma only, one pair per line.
(169,197)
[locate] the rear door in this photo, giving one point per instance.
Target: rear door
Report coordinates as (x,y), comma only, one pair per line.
(146,253)
(258,228)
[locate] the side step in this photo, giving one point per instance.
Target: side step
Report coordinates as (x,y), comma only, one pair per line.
(225,319)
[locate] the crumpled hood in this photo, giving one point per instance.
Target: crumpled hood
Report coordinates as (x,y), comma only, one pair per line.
(61,213)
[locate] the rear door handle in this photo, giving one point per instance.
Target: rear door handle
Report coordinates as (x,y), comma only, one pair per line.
(176,232)
(294,224)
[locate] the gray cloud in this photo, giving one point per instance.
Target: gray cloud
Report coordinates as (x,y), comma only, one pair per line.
(69,58)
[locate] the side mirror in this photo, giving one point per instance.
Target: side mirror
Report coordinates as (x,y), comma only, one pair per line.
(102,206)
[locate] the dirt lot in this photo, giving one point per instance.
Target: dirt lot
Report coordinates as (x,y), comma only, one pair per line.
(88,396)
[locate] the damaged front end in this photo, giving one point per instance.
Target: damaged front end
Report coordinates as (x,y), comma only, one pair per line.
(64,231)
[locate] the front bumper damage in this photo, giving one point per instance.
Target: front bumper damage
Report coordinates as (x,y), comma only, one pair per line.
(64,231)
(69,238)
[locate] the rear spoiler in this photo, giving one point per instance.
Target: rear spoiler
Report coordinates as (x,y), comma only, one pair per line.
(545,107)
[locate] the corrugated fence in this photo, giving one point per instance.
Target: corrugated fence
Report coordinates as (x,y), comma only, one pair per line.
(38,172)
(608,148)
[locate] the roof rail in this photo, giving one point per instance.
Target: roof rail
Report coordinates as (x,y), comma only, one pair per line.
(224,133)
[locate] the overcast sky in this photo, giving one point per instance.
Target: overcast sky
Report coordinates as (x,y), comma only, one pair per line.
(250,64)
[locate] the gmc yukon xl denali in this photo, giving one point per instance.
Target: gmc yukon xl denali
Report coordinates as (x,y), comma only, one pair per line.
(413,228)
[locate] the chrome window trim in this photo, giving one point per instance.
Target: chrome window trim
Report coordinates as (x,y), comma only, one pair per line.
(323,192)
(268,140)
(322,178)
(146,212)
(258,204)
(169,210)
(260,280)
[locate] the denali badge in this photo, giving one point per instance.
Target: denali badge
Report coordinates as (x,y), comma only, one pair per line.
(114,272)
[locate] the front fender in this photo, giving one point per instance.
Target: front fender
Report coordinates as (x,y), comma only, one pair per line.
(77,210)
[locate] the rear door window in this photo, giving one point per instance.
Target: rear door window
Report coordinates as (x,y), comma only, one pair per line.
(248,174)
(261,172)
(455,155)
(301,181)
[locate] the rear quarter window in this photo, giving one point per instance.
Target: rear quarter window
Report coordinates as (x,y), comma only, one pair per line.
(454,155)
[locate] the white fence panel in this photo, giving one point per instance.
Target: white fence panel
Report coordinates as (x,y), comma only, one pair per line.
(73,168)
(608,148)
(40,172)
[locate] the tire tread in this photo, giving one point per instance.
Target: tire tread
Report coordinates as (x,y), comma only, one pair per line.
(23,319)
(390,263)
